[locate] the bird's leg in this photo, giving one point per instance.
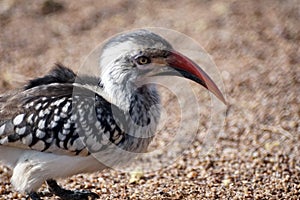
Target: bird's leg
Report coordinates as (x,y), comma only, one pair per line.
(68,194)
(34,196)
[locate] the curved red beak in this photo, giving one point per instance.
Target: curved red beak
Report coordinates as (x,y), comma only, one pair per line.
(192,71)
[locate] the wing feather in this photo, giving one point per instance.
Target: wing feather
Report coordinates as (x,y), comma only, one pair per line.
(48,116)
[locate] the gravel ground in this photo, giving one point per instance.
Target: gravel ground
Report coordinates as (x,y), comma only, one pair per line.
(255,45)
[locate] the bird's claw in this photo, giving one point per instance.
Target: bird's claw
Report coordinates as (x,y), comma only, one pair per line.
(78,195)
(70,195)
(33,196)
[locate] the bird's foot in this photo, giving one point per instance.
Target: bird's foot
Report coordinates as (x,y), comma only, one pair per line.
(68,194)
(33,196)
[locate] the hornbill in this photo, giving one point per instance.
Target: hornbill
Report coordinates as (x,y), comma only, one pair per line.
(64,124)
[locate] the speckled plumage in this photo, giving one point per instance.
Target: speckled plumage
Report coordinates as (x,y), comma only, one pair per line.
(49,118)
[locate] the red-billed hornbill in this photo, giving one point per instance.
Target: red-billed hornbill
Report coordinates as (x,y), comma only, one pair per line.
(48,131)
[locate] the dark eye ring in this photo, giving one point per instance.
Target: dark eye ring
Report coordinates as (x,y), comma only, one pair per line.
(143,60)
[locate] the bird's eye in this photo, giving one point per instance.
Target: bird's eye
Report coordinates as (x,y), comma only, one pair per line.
(143,60)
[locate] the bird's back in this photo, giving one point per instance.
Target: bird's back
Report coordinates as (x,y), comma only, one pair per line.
(33,118)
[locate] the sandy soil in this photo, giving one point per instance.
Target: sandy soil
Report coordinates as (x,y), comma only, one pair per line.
(255,45)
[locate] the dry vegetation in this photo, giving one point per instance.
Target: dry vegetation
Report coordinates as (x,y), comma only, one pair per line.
(255,44)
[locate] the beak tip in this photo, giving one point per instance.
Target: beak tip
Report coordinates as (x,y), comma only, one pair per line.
(225,102)
(222,99)
(212,87)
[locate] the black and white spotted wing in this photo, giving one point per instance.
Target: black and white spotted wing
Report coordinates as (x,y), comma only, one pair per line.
(46,116)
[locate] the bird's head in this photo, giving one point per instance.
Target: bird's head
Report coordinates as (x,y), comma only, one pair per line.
(131,57)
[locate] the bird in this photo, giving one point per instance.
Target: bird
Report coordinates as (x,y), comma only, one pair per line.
(62,123)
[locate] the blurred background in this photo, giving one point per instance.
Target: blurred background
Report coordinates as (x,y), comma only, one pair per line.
(255,45)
